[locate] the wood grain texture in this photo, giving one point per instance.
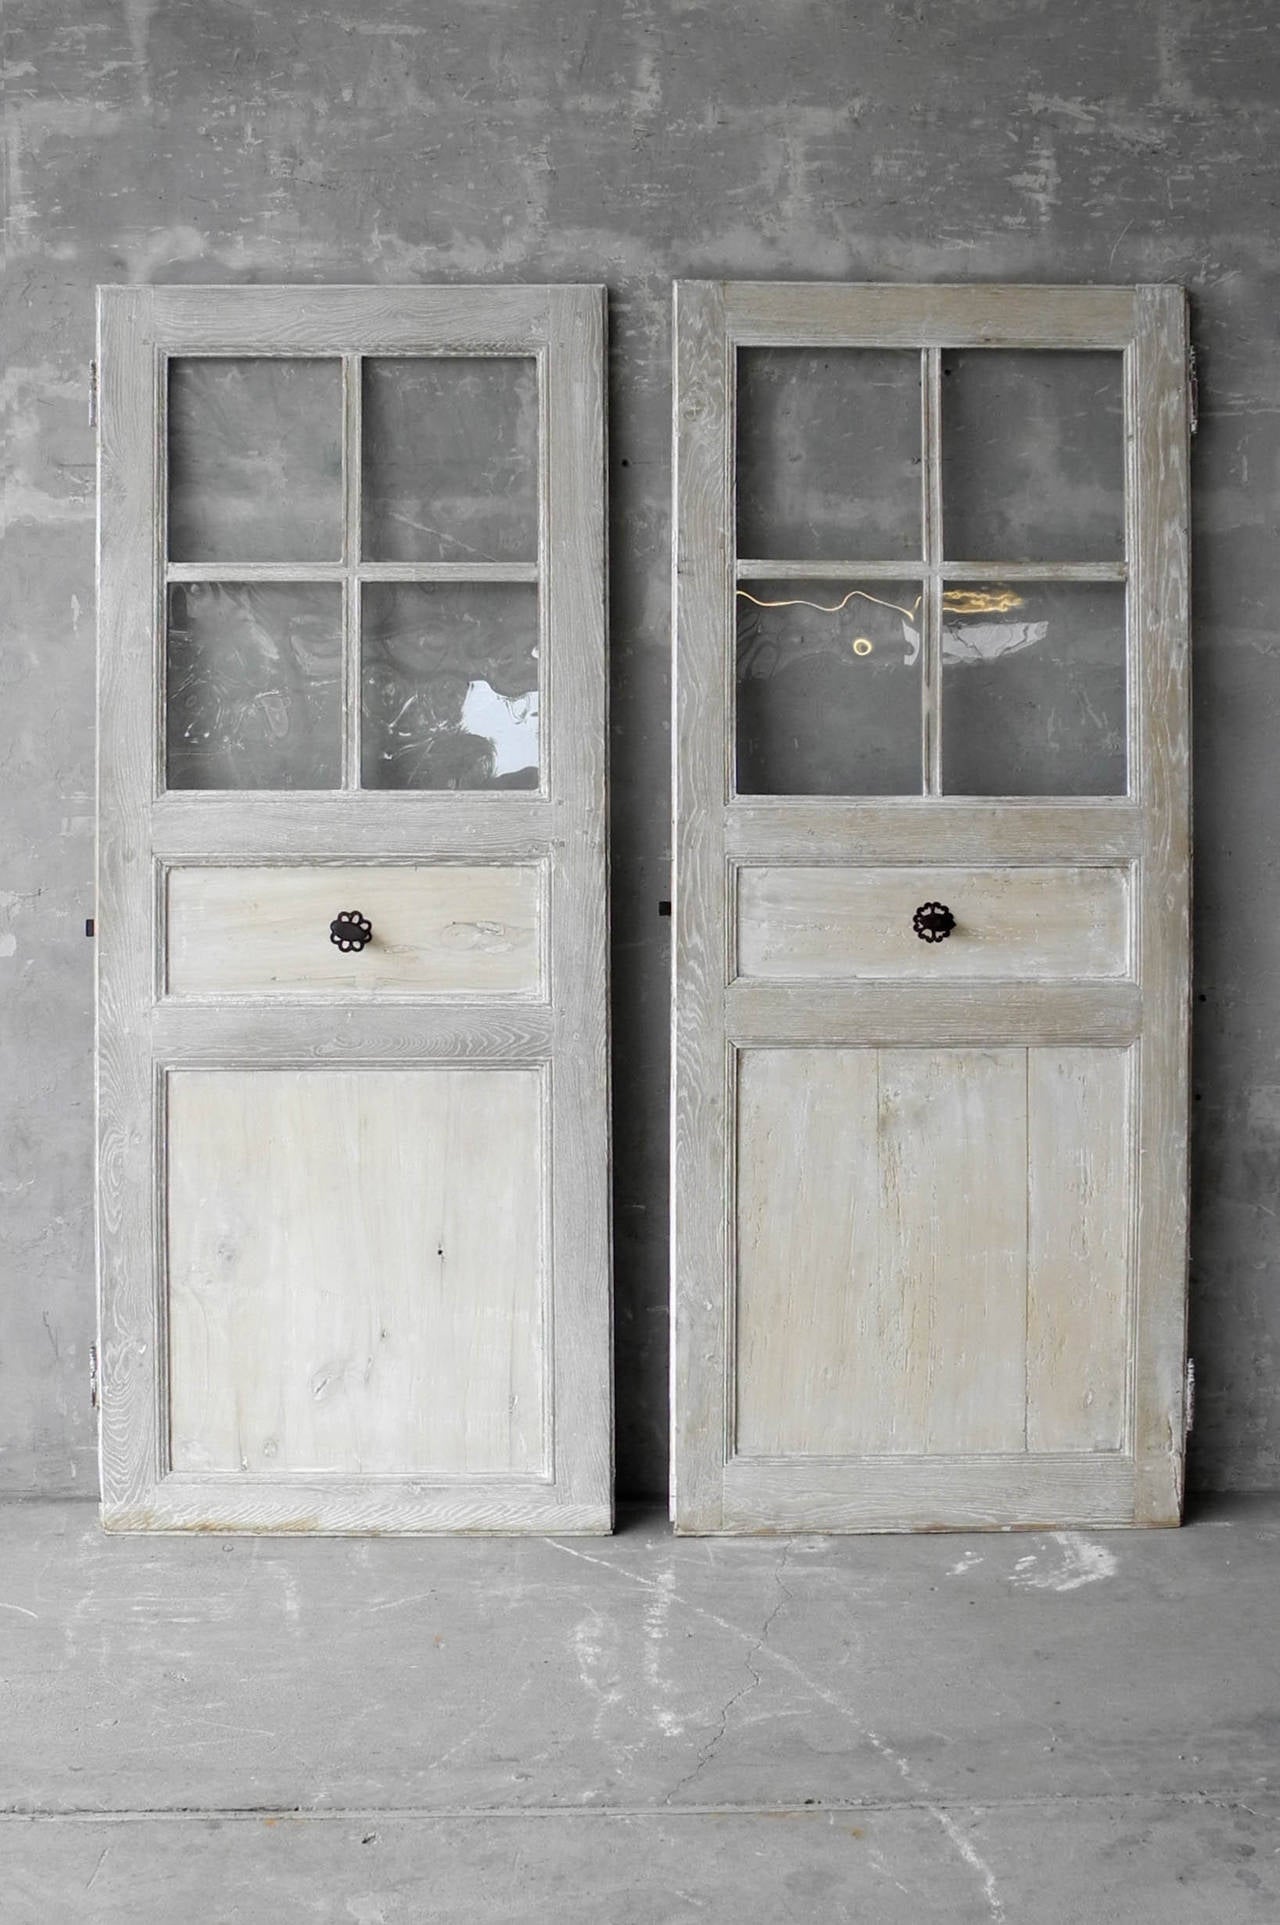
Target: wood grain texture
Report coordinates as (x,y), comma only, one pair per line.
(365,571)
(130,1352)
(365,320)
(356,1271)
(702,589)
(812,1368)
(954,571)
(1079,1194)
(821,924)
(502,826)
(920,1013)
(490,1023)
(250,1034)
(871,314)
(1159,546)
(938,829)
(575,658)
(993,1491)
(449,929)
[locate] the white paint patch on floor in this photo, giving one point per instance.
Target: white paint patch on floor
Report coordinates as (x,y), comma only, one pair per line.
(966,1563)
(1080,1561)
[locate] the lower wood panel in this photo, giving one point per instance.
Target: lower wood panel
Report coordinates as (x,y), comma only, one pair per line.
(932,1252)
(1078,1211)
(355,1271)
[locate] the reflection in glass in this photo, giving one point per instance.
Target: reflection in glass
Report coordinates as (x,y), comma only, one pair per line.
(450,685)
(828,454)
(450,466)
(254,686)
(255,460)
(1033,689)
(1032,455)
(828,689)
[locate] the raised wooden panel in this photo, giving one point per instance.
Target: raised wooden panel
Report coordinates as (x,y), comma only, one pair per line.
(355,1265)
(881,1237)
(446,929)
(814,923)
(932,1251)
(1079,1186)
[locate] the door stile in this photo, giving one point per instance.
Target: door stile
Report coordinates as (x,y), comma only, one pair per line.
(701,1055)
(130,1449)
(1160,596)
(579,1227)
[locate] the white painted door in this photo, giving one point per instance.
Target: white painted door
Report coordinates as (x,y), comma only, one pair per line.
(352,1050)
(931,901)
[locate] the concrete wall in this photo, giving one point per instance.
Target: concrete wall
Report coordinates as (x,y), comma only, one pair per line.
(407,140)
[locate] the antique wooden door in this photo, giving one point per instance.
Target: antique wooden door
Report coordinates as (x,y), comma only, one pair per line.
(352,1071)
(931,900)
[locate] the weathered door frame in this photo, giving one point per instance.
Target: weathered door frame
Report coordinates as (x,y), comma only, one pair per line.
(142,1032)
(714,1489)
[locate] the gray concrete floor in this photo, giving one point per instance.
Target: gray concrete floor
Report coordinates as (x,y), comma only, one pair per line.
(638,1731)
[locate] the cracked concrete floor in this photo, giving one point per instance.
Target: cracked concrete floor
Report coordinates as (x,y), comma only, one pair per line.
(641,1731)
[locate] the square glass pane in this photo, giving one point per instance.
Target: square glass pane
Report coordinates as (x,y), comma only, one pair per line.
(828,454)
(1033,689)
(449,678)
(254,686)
(1032,455)
(450,469)
(829,689)
(255,460)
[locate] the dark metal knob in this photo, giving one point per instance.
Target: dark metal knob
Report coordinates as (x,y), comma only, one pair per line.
(350,930)
(933,922)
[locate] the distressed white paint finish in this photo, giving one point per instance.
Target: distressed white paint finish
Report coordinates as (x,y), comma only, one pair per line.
(836,921)
(449,929)
(882,1262)
(356,1271)
(455,1004)
(1030,1103)
(1079,1193)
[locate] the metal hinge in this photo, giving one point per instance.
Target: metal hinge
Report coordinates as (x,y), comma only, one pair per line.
(1193,392)
(93,394)
(1189,1398)
(93,1376)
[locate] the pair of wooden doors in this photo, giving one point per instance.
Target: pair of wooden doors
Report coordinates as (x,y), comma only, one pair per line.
(353,1066)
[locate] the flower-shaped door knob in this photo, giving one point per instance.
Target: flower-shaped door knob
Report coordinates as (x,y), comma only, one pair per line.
(933,922)
(350,930)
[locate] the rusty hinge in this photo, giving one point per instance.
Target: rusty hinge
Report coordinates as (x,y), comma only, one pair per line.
(93,1376)
(1189,1398)
(1193,392)
(93,394)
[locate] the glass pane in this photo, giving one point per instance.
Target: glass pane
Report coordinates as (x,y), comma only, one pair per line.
(829,454)
(1033,689)
(254,686)
(255,460)
(450,685)
(829,689)
(1032,455)
(450,460)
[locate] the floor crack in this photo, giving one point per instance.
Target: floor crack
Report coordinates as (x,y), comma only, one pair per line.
(758,1644)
